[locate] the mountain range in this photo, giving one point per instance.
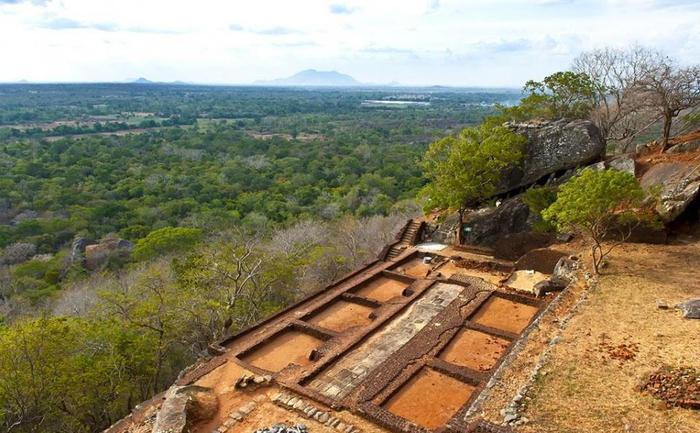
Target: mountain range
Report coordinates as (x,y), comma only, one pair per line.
(312,77)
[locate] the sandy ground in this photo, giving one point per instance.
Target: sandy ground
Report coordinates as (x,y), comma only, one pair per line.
(584,388)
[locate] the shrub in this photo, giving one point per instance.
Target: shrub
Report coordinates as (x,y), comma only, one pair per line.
(602,205)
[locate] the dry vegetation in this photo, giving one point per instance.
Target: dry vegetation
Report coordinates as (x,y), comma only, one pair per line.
(588,387)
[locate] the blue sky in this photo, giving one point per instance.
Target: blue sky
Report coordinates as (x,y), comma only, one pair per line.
(414,42)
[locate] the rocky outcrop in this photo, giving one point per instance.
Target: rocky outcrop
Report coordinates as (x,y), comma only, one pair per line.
(565,272)
(624,163)
(486,225)
(677,185)
(554,146)
(444,232)
(506,228)
(77,250)
(542,260)
(96,255)
(685,143)
(183,406)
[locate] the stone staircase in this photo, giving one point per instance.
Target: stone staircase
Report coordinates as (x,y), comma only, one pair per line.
(408,238)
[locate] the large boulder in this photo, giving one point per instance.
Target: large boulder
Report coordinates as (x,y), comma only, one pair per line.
(444,232)
(542,260)
(565,271)
(486,225)
(677,185)
(183,406)
(553,146)
(98,254)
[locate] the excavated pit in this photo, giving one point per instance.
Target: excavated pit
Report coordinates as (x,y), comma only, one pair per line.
(382,288)
(415,267)
(289,347)
(450,269)
(342,315)
(474,349)
(429,399)
(504,314)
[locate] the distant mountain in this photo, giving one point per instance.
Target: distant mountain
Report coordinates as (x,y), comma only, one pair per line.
(312,77)
(141,80)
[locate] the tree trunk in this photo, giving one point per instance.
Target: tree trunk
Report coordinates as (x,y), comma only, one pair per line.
(459,227)
(668,119)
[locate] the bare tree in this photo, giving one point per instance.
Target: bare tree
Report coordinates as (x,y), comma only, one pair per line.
(615,74)
(670,89)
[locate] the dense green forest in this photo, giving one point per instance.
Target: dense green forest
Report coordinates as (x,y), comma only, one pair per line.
(234,202)
(124,160)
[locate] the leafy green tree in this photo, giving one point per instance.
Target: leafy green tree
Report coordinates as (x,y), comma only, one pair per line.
(568,95)
(464,169)
(604,206)
(69,374)
(537,199)
(166,240)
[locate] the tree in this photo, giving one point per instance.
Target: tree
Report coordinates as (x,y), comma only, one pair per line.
(465,169)
(68,374)
(614,73)
(231,285)
(601,205)
(568,95)
(669,90)
(166,240)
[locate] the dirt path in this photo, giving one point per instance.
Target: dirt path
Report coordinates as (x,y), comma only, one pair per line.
(619,336)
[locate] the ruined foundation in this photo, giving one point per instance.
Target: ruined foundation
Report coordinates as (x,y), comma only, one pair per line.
(407,344)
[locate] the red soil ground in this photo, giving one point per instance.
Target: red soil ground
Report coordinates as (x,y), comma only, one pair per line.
(503,314)
(429,399)
(342,315)
(382,289)
(475,350)
(290,347)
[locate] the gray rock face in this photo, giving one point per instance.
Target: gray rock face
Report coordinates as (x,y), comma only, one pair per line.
(685,147)
(623,163)
(445,232)
(690,308)
(488,224)
(678,184)
(554,146)
(184,405)
(565,271)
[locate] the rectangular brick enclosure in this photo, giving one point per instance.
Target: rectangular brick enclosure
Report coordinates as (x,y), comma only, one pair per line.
(405,344)
(408,343)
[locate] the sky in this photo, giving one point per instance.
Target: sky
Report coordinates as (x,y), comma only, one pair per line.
(413,42)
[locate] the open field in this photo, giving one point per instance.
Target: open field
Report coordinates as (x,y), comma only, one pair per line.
(586,386)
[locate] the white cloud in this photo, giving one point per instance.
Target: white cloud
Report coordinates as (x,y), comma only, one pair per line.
(456,42)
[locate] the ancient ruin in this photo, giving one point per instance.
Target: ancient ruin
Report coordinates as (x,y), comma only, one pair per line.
(407,343)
